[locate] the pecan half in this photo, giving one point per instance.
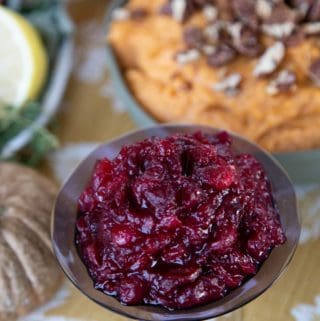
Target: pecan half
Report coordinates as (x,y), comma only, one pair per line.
(270,60)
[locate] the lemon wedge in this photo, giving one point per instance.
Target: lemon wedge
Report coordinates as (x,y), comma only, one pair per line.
(23,64)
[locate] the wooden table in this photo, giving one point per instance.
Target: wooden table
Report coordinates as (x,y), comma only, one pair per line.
(90,114)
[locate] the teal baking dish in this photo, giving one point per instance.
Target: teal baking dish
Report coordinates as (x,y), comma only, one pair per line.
(302,167)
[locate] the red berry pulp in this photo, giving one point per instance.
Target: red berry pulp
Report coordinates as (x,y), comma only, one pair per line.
(176,221)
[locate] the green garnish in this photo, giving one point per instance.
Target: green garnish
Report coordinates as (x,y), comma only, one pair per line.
(2,210)
(13,121)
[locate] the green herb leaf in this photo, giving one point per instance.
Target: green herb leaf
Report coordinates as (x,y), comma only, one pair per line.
(2,209)
(13,121)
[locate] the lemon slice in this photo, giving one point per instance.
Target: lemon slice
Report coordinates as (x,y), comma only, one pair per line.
(23,64)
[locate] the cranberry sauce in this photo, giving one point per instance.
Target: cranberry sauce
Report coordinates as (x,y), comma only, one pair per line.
(176,222)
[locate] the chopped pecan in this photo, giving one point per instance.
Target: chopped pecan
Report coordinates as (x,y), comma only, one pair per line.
(166,9)
(208,49)
(120,14)
(264,8)
(285,81)
(245,40)
(182,9)
(230,84)
(225,9)
(282,13)
(270,60)
(222,55)
(295,38)
(187,56)
(314,71)
(279,30)
(314,12)
(311,28)
(245,11)
(138,13)
(178,9)
(194,37)
(212,32)
(210,12)
(303,6)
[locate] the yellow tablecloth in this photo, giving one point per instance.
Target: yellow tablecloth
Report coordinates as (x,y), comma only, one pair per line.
(90,113)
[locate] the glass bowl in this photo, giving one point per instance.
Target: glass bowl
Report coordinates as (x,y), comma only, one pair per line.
(65,214)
